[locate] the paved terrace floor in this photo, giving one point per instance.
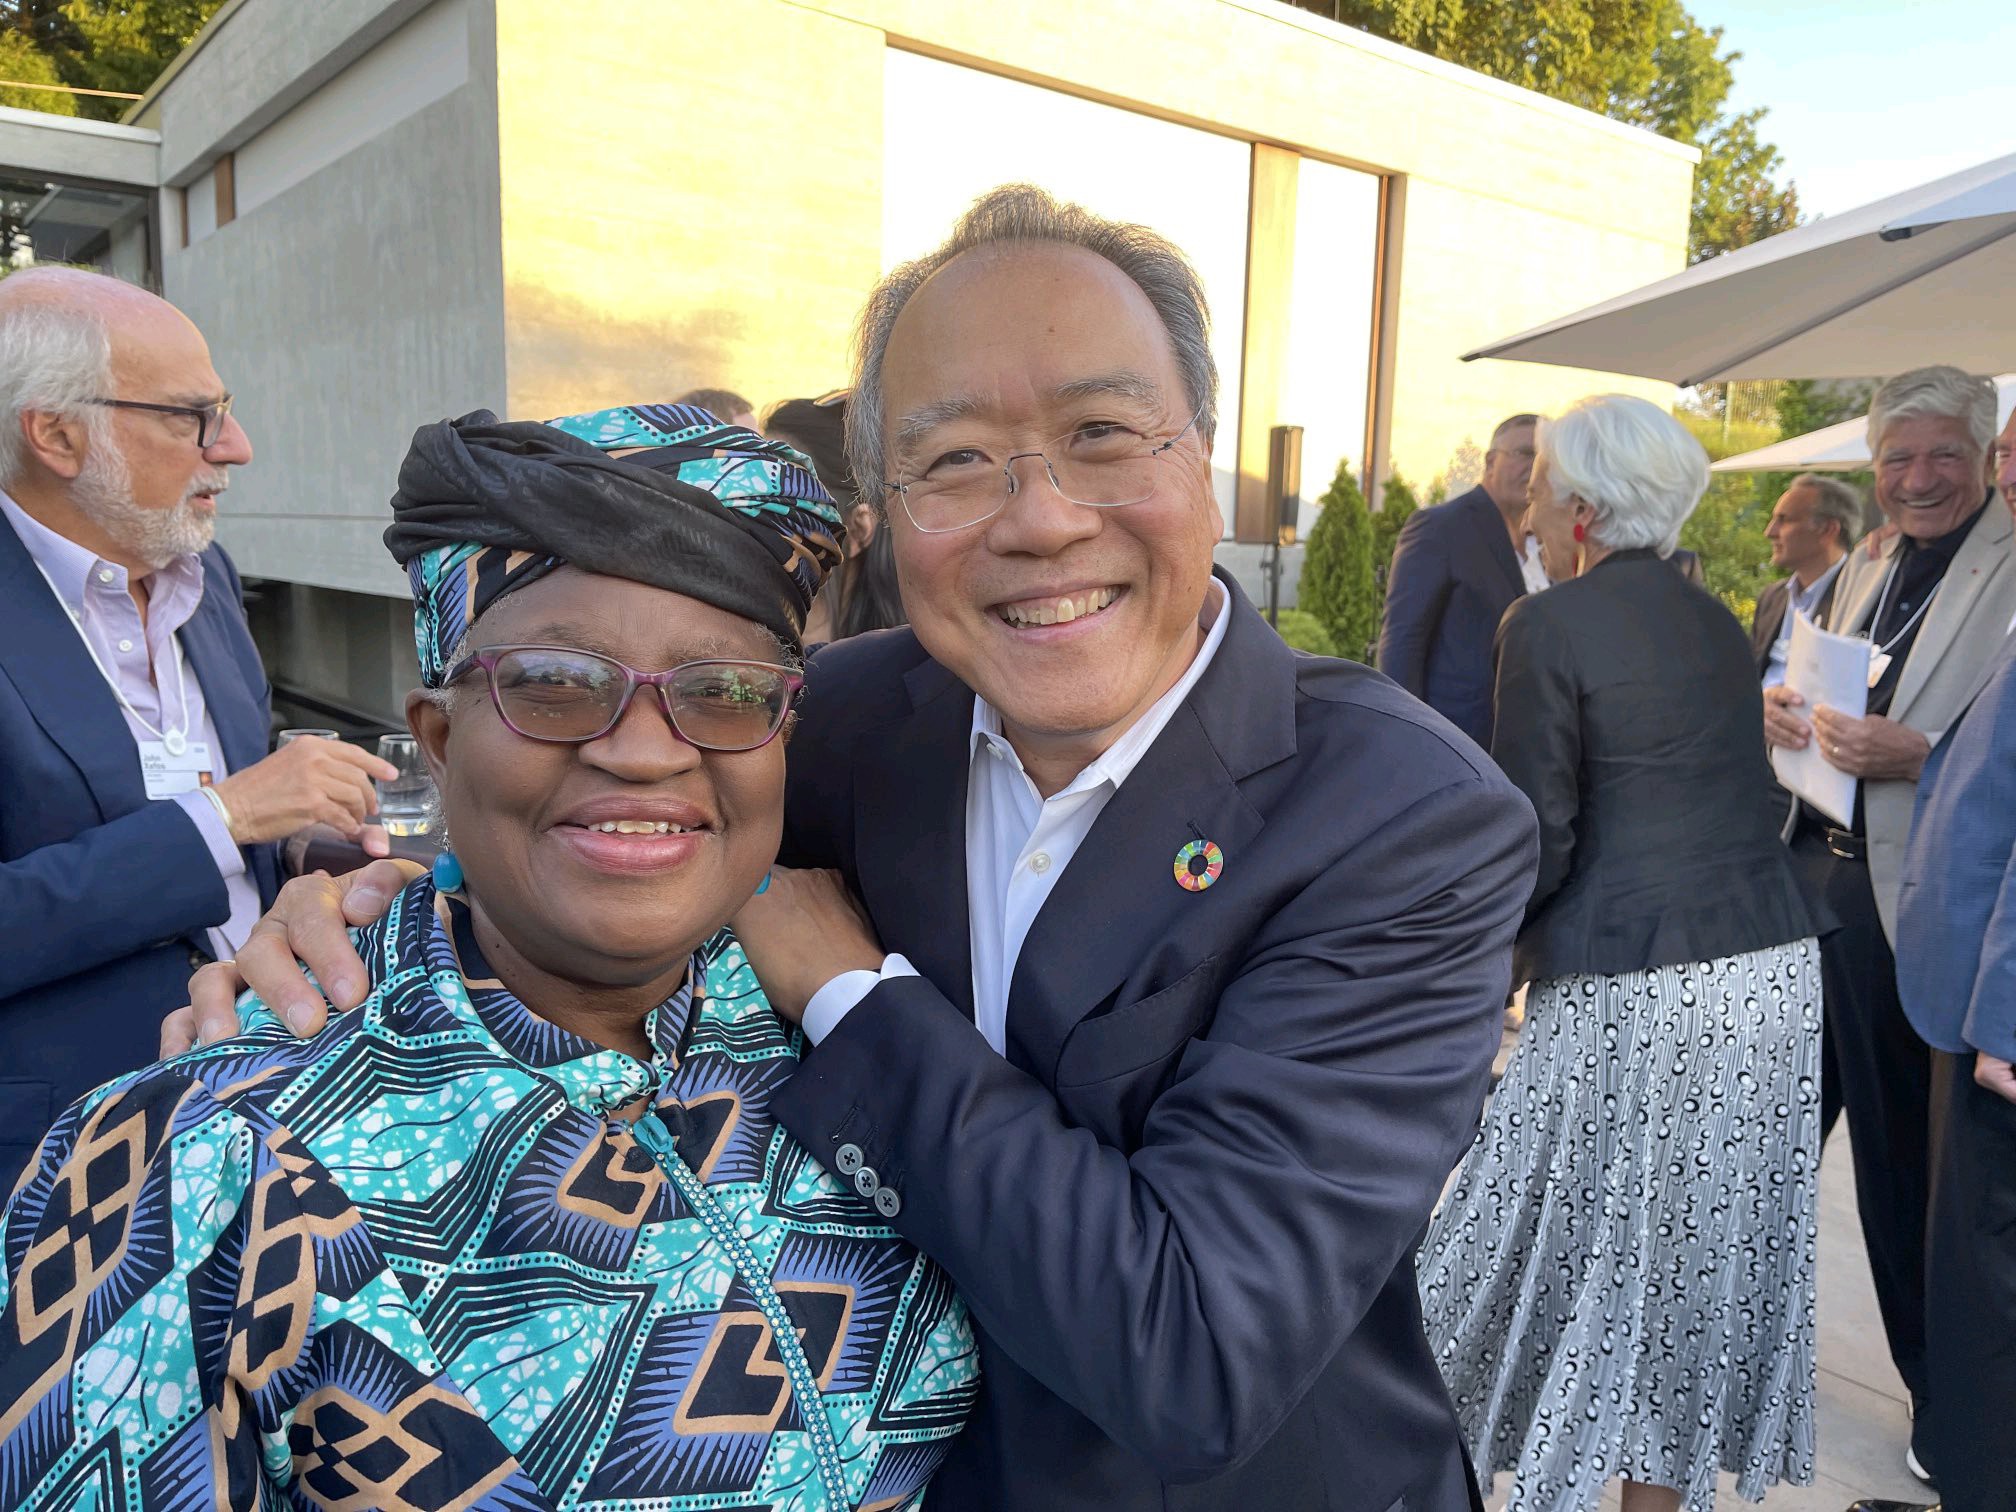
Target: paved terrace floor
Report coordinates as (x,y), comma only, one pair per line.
(1863,1424)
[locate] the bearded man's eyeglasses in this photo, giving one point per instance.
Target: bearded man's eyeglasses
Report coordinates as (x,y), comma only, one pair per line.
(209,418)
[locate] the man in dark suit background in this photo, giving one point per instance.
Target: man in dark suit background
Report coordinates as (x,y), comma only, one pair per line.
(138,798)
(1173,986)
(1812,526)
(1456,570)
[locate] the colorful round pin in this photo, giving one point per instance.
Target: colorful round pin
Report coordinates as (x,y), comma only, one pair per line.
(1198,865)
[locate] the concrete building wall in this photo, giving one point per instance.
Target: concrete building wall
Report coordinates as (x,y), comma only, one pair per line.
(357,301)
(691,197)
(673,267)
(543,208)
(65,147)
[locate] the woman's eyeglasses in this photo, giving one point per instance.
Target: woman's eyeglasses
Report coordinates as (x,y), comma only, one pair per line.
(568,697)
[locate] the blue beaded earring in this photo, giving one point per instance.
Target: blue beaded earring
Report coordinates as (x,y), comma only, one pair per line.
(447,873)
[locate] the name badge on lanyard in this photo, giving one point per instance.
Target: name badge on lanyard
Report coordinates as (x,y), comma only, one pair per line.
(168,773)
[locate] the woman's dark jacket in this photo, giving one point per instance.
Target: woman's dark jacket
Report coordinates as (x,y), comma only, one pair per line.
(1629,711)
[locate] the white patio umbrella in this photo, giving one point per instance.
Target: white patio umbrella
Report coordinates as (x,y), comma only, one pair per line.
(1925,276)
(1837,448)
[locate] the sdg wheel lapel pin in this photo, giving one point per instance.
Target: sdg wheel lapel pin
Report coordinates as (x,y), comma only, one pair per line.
(1198,865)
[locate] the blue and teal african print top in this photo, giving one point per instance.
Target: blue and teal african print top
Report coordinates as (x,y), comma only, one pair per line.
(437,1258)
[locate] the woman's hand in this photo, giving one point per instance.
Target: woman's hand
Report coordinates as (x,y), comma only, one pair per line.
(1871,747)
(800,933)
(310,919)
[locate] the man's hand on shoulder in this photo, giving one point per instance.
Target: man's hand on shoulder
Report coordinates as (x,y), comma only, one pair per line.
(802,931)
(311,920)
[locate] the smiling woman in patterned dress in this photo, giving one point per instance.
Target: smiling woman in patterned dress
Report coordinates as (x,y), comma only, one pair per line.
(520,1231)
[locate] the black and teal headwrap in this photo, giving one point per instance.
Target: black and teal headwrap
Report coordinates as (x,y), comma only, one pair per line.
(663,494)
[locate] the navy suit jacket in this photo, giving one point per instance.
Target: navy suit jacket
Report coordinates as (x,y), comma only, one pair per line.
(1454,575)
(1956,907)
(104,896)
(1184,1206)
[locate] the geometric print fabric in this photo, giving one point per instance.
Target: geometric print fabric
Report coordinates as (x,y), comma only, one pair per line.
(436,1258)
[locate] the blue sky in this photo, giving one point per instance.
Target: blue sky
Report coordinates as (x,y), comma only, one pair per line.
(1869,98)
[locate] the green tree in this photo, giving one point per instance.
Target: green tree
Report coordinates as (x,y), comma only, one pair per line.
(1727,527)
(1305,632)
(1396,503)
(1337,583)
(97,44)
(22,61)
(1737,200)
(1647,62)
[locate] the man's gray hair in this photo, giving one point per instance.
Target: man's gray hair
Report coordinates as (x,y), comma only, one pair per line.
(1024,213)
(1837,501)
(55,357)
(1942,392)
(1631,462)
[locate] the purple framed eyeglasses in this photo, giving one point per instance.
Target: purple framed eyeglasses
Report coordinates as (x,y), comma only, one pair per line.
(566,697)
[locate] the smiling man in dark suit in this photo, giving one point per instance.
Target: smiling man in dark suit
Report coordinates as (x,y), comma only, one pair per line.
(1173,984)
(1456,570)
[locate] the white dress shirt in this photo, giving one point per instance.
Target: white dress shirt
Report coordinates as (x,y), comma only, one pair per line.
(147,672)
(1018,843)
(1530,570)
(1798,601)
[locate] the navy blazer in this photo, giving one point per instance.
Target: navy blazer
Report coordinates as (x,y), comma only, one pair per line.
(1184,1206)
(104,896)
(1454,575)
(1956,907)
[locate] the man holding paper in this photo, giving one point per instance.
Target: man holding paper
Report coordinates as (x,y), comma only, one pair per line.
(1934,604)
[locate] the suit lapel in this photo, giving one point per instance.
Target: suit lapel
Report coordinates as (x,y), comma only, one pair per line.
(1771,617)
(1495,545)
(1118,904)
(910,833)
(44,657)
(1854,606)
(1982,554)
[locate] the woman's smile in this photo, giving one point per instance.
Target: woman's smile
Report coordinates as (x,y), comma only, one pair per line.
(634,835)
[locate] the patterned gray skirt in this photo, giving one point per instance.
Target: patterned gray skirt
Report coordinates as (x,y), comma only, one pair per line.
(1620,1280)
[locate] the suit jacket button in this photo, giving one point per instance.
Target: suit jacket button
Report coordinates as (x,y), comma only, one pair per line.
(848,1159)
(866,1182)
(887,1203)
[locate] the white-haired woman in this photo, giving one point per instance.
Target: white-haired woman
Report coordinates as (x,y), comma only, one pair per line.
(1620,1283)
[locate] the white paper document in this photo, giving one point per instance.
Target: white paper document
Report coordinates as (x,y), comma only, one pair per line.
(1833,670)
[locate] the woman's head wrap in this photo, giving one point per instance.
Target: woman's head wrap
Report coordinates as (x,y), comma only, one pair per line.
(662,494)
(818,428)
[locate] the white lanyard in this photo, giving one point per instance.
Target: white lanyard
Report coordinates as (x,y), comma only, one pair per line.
(1883,599)
(174,741)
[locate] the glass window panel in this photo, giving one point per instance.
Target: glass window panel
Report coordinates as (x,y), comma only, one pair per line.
(951,133)
(1327,388)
